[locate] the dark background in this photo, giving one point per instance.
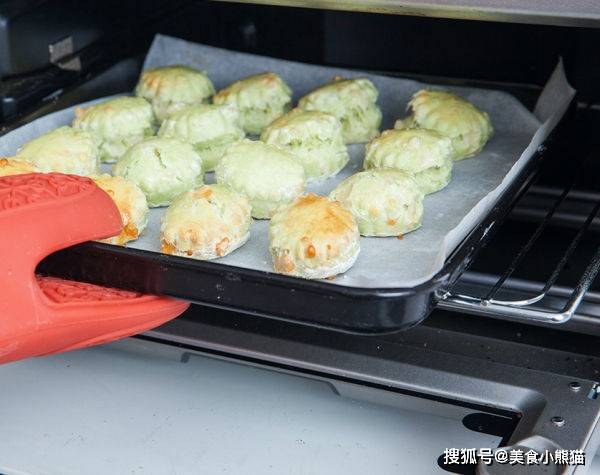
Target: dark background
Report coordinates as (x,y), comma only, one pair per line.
(394,44)
(398,44)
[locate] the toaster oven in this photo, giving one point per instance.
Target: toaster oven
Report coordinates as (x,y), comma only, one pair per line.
(512,337)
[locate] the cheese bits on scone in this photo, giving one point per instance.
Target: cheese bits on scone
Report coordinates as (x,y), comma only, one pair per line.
(449,114)
(209,128)
(206,223)
(171,88)
(14,166)
(315,138)
(269,177)
(132,205)
(63,150)
(353,102)
(260,99)
(426,154)
(163,168)
(383,202)
(313,238)
(117,124)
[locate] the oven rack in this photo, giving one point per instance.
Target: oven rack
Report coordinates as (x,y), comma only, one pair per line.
(538,302)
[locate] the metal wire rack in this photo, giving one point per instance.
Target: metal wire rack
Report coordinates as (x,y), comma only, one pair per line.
(534,306)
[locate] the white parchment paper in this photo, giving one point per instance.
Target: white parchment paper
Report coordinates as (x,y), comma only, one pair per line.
(450,214)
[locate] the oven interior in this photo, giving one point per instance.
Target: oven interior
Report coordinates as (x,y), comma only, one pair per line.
(533,249)
(545,247)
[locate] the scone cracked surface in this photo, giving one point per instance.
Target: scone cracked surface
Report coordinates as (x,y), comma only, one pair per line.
(13,166)
(315,138)
(63,150)
(453,116)
(426,154)
(163,168)
(132,205)
(269,177)
(206,223)
(170,88)
(353,102)
(117,124)
(313,238)
(209,128)
(260,99)
(383,202)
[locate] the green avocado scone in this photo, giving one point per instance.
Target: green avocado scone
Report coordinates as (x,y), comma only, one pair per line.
(63,150)
(132,205)
(269,177)
(383,202)
(353,102)
(315,138)
(468,127)
(163,168)
(209,128)
(13,166)
(170,88)
(260,99)
(206,223)
(426,154)
(117,124)
(313,238)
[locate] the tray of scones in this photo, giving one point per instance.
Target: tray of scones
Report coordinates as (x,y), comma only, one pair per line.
(326,196)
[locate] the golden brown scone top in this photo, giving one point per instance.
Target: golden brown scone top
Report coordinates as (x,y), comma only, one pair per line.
(320,216)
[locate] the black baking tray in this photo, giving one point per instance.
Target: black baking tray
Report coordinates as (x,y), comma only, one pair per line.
(316,303)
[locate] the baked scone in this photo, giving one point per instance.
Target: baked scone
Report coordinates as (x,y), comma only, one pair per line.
(260,99)
(449,114)
(117,124)
(209,128)
(63,150)
(132,205)
(13,166)
(269,177)
(163,168)
(170,88)
(426,154)
(314,238)
(206,223)
(353,102)
(315,138)
(383,202)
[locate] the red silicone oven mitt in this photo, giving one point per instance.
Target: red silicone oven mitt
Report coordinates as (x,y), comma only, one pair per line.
(40,214)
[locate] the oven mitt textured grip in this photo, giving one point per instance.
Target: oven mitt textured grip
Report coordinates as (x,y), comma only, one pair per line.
(40,214)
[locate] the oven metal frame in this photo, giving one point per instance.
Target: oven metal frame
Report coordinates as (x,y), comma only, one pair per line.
(556,411)
(585,13)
